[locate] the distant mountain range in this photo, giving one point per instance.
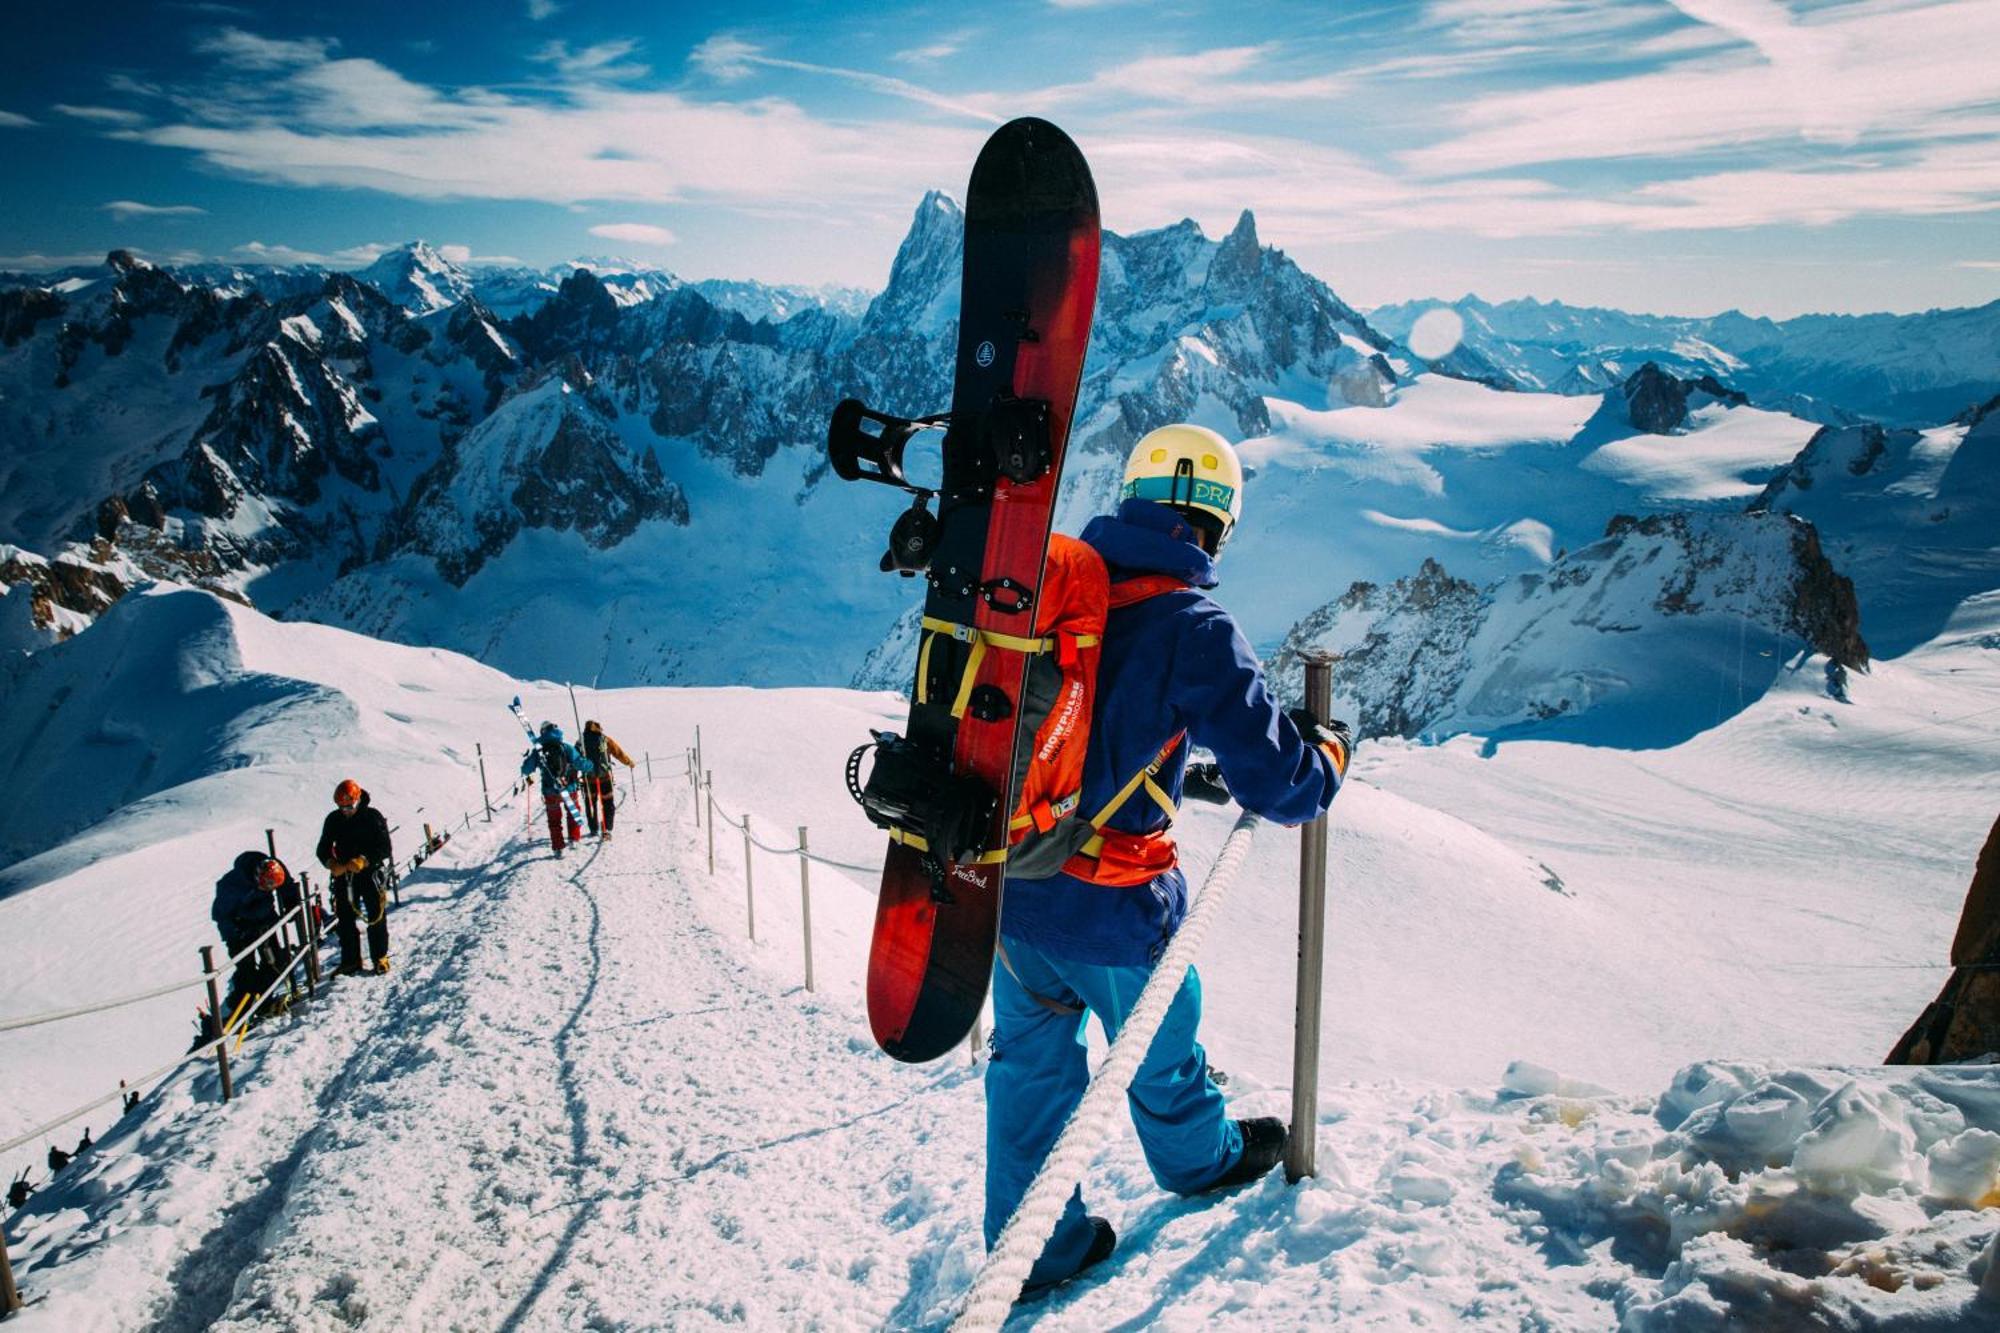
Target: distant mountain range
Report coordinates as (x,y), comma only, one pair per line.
(1896,369)
(602,472)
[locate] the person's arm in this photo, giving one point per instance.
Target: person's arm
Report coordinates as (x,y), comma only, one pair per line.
(1270,768)
(617,751)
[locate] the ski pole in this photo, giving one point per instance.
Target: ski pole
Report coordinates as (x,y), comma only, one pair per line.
(749,889)
(1302,1150)
(484,795)
(215,1009)
(806,904)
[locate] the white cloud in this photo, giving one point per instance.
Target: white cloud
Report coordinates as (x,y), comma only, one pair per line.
(100,115)
(463,256)
(634,233)
(354,256)
(730,59)
(1979,263)
(10,120)
(1222,77)
(920,55)
(127,209)
(542,9)
(246,50)
(36,262)
(1836,79)
(601,61)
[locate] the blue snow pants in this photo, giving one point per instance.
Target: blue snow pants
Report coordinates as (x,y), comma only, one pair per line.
(1039,1071)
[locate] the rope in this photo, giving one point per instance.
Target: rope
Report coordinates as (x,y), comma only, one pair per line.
(796,850)
(999,1284)
(57,1015)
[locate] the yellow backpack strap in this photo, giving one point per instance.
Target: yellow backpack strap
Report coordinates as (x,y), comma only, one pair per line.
(1143,778)
(981,640)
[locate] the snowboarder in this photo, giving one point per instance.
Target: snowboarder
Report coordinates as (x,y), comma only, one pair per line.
(1174,672)
(249,900)
(562,771)
(598,797)
(354,848)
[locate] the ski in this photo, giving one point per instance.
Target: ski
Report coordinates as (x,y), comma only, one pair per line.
(1028,289)
(568,801)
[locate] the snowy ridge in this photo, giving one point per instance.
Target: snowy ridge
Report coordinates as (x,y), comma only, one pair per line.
(585,1095)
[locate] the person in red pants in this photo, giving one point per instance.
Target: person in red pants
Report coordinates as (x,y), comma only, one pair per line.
(599,801)
(561,770)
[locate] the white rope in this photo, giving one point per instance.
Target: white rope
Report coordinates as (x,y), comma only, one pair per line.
(1034,1221)
(57,1015)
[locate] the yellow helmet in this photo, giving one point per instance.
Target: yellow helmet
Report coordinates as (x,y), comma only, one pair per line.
(1191,468)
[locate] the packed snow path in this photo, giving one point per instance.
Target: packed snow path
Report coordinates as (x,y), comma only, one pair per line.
(583,1102)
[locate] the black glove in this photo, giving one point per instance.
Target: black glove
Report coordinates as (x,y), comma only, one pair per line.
(1333,737)
(1204,782)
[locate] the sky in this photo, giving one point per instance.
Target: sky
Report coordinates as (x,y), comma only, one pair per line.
(1680,158)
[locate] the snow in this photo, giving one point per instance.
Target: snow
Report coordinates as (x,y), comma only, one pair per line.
(1728,454)
(1598,1025)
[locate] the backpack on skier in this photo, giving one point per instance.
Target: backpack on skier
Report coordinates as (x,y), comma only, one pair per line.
(1045,833)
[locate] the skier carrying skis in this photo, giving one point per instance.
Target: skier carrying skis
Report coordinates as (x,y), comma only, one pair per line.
(1174,672)
(249,900)
(598,797)
(354,848)
(562,770)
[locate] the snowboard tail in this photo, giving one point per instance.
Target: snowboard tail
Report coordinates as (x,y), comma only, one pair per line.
(944,791)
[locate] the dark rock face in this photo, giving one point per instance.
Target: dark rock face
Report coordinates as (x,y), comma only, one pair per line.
(1657,402)
(22,309)
(73,584)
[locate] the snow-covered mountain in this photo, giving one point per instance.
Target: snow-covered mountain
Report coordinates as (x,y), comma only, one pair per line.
(311,451)
(418,279)
(1900,369)
(1640,639)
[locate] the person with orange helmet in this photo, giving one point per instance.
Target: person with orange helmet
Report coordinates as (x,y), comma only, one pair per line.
(249,900)
(354,847)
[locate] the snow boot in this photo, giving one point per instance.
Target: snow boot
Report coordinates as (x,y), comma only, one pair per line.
(1102,1242)
(348,970)
(382,966)
(1264,1141)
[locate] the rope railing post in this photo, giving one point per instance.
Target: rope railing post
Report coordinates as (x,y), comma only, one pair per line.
(694,785)
(806,903)
(1301,1151)
(999,1283)
(10,1295)
(648,756)
(312,934)
(215,1008)
(749,887)
(697,751)
(485,796)
(708,781)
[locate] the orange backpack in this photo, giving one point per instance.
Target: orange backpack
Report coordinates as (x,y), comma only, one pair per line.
(1056,708)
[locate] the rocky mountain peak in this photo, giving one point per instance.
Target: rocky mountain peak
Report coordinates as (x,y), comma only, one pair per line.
(1658,403)
(418,278)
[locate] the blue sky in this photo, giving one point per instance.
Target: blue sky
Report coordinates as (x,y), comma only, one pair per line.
(1677,157)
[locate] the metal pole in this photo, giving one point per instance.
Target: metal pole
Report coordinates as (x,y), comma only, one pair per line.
(483,794)
(215,1007)
(10,1295)
(694,780)
(312,934)
(708,781)
(573,709)
(648,754)
(270,845)
(697,751)
(806,904)
(1302,1151)
(749,889)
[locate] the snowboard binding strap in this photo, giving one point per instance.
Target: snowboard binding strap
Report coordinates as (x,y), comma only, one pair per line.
(923,805)
(1063,645)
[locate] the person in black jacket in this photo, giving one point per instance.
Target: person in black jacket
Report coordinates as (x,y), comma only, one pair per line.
(354,848)
(249,900)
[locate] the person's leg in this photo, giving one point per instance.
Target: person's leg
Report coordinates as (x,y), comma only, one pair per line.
(607,800)
(1183,1123)
(378,923)
(589,797)
(343,924)
(553,804)
(1034,1080)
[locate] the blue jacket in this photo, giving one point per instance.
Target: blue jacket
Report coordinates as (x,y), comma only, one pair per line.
(1173,662)
(580,767)
(243,908)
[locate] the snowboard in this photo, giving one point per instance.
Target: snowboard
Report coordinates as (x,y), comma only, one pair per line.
(944,791)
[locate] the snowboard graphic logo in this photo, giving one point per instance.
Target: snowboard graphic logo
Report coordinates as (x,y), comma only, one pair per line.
(984,356)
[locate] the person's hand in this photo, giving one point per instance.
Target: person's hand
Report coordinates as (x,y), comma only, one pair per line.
(1204,782)
(1334,738)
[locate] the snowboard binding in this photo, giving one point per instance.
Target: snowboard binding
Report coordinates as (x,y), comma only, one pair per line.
(921,802)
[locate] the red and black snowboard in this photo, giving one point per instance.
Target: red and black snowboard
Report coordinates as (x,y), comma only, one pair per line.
(945,790)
